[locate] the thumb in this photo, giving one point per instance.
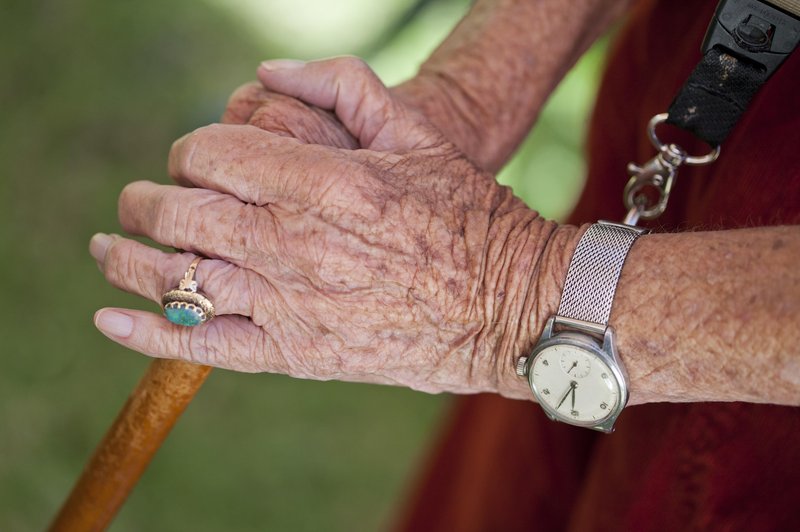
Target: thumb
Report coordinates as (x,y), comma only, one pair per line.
(348,87)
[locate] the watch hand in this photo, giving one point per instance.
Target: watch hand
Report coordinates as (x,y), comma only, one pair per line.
(574,387)
(573,366)
(565,396)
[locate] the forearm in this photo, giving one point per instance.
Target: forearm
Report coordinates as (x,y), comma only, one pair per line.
(484,86)
(705,316)
(712,316)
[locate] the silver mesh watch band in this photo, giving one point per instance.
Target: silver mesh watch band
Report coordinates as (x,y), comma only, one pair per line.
(593,274)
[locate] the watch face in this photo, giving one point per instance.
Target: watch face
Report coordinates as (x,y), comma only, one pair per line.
(574,384)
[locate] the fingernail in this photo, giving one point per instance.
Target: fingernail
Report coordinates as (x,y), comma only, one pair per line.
(98,246)
(282,64)
(112,323)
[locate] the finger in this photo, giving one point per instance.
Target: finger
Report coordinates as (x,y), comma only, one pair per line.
(259,167)
(289,117)
(349,87)
(201,221)
(243,103)
(277,243)
(286,116)
(148,272)
(230,342)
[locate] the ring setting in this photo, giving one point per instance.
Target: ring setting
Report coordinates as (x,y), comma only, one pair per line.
(185,305)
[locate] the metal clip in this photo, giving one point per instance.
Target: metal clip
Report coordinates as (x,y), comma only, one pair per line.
(658,173)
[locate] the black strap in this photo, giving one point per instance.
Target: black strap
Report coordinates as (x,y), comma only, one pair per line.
(716,94)
(746,42)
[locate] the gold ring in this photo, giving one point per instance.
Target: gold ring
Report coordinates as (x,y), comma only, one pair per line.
(185,305)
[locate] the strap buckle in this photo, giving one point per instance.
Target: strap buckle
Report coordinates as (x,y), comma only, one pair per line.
(657,174)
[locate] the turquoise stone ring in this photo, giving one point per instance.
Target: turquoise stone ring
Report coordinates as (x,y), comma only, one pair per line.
(185,305)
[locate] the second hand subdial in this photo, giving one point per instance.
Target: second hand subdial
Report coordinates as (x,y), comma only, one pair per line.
(575,365)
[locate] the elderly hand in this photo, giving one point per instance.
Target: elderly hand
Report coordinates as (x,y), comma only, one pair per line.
(269,105)
(286,116)
(402,263)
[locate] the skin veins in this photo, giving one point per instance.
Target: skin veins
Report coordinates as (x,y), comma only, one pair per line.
(405,263)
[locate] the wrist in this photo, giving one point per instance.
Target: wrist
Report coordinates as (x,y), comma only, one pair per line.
(486,135)
(438,98)
(535,259)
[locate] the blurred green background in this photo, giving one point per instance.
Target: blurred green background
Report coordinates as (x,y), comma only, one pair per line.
(93,94)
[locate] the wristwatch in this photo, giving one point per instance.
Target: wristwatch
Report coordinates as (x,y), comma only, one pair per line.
(573,370)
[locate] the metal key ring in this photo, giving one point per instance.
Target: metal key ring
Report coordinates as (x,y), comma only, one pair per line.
(672,149)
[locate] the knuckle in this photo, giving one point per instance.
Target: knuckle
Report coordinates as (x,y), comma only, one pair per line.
(175,156)
(129,266)
(125,212)
(167,226)
(183,151)
(246,231)
(222,282)
(353,64)
(276,116)
(361,76)
(164,343)
(254,352)
(249,93)
(225,344)
(127,191)
(130,197)
(118,262)
(203,344)
(167,269)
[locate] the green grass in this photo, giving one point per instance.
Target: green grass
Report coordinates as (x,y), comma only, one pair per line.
(94,93)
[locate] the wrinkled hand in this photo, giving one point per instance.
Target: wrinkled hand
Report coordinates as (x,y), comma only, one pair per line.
(286,116)
(438,97)
(402,263)
(267,106)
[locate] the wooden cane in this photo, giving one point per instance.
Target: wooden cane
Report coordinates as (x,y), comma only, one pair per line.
(164,392)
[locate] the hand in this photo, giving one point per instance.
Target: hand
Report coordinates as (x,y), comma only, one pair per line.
(347,86)
(401,264)
(285,116)
(259,105)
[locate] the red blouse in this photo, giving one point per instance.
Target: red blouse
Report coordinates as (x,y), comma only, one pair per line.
(500,465)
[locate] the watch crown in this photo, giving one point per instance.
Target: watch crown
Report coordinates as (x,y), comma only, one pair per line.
(522,368)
